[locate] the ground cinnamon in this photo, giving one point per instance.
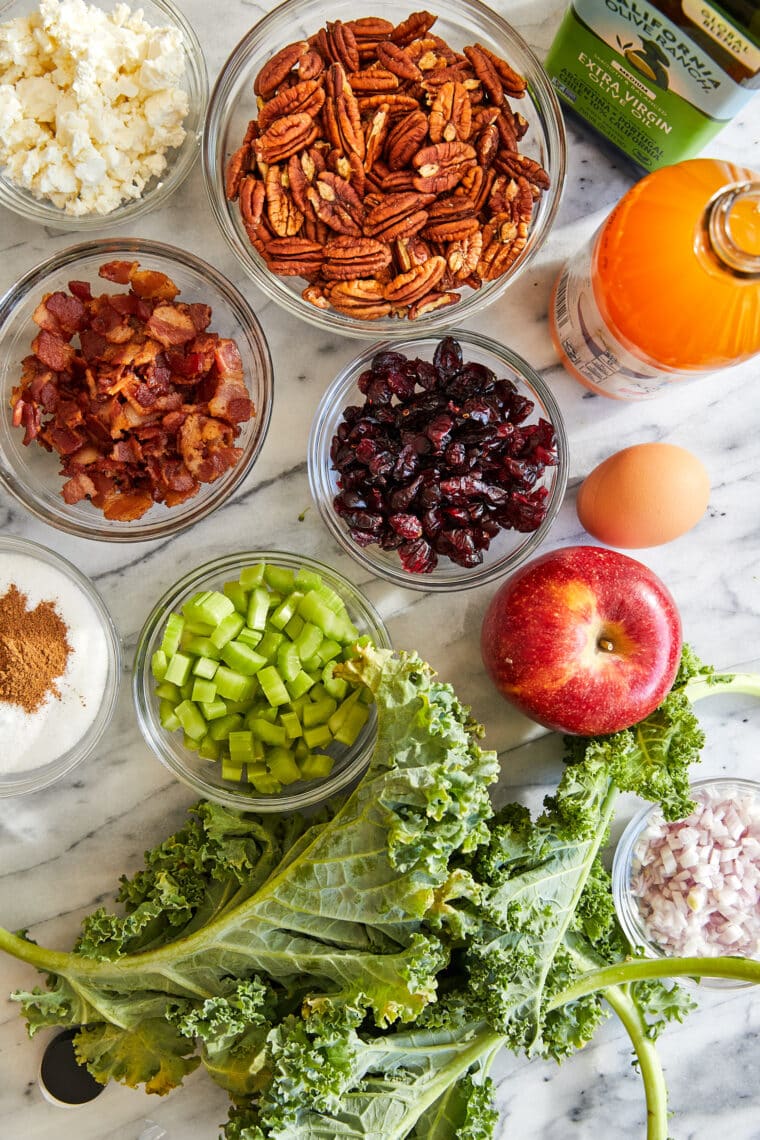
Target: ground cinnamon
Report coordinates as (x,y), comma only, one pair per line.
(34,650)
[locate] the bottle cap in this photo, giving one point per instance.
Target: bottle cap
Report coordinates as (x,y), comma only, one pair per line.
(62,1080)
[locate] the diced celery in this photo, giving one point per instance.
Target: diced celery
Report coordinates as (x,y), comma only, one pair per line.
(230,770)
(213,710)
(291,724)
(221,729)
(191,719)
(282,764)
(307,579)
(313,665)
(241,746)
(202,647)
(195,628)
(203,691)
(172,633)
(316,766)
(336,686)
(205,667)
(227,629)
(186,690)
(272,686)
(238,595)
(264,782)
(332,600)
(318,691)
(166,691)
(319,712)
(232,685)
(209,748)
(318,737)
(352,724)
(337,718)
(209,606)
(288,661)
(313,609)
(168,719)
(251,576)
(264,711)
(286,610)
(270,643)
(299,685)
(178,669)
(250,637)
(258,608)
(190,743)
(329,650)
(309,640)
(158,663)
(279,578)
(242,658)
(301,750)
(268,732)
(294,627)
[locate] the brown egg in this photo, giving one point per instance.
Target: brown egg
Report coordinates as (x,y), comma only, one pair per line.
(644,496)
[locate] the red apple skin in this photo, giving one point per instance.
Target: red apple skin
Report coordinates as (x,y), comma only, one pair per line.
(583,640)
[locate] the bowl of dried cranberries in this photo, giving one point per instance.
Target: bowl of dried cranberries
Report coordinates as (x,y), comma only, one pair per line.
(136,390)
(438,463)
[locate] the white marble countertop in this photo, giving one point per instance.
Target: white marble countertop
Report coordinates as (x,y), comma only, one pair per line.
(62,851)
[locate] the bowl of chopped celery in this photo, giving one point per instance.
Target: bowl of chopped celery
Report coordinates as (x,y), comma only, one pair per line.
(238,682)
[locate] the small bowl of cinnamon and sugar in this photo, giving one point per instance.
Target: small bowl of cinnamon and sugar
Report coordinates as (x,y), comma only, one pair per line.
(60,661)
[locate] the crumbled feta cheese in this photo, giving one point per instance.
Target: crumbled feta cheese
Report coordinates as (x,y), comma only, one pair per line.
(90,102)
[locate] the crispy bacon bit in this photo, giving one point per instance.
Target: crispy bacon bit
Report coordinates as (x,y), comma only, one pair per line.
(144,406)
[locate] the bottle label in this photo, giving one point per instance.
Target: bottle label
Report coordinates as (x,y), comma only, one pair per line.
(587,344)
(726,34)
(640,80)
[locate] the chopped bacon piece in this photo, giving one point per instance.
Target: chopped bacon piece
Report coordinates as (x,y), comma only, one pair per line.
(140,402)
(118,271)
(153,286)
(171,326)
(78,487)
(68,311)
(53,351)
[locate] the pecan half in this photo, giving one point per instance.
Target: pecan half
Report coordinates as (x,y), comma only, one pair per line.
(398,215)
(412,28)
(441,166)
(286,136)
(294,256)
(283,214)
(278,68)
(336,203)
(348,257)
(406,288)
(359,298)
(398,61)
(404,139)
(451,114)
(306,96)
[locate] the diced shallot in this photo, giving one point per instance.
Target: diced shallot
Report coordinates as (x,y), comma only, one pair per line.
(697,881)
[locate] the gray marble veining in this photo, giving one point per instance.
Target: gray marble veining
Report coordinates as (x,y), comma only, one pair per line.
(62,850)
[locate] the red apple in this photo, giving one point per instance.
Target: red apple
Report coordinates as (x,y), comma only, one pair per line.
(583,640)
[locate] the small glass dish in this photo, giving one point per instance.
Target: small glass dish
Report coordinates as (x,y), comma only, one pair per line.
(179,160)
(627,863)
(460,23)
(509,548)
(86,690)
(31,474)
(205,777)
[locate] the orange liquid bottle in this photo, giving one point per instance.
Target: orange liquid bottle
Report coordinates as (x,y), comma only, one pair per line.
(669,287)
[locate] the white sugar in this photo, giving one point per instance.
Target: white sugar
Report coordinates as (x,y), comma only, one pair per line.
(29,740)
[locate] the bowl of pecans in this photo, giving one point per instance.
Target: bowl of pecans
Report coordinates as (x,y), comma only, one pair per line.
(438,463)
(135,390)
(368,169)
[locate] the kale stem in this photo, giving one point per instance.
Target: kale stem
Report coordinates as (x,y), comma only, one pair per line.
(636,969)
(655,1089)
(699,687)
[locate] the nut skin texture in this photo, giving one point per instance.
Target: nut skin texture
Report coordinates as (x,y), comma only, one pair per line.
(542,635)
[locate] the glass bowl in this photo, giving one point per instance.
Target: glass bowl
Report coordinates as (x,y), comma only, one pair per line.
(205,777)
(31,474)
(42,746)
(631,911)
(179,160)
(460,23)
(509,548)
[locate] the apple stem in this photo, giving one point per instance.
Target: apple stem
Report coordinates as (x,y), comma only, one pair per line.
(605,644)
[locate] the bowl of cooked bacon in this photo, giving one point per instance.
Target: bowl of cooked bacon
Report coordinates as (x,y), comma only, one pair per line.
(136,389)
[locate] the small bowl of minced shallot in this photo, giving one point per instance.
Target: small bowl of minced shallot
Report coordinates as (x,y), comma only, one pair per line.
(690,887)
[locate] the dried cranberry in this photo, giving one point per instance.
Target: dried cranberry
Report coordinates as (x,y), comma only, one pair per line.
(418,557)
(447,357)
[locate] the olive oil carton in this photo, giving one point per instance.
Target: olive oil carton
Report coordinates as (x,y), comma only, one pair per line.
(657,79)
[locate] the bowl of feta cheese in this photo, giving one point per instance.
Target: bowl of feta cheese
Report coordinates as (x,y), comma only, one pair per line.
(101,109)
